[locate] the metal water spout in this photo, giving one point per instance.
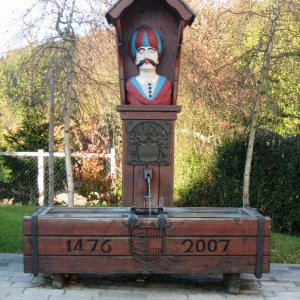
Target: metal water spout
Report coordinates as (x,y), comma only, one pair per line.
(147,197)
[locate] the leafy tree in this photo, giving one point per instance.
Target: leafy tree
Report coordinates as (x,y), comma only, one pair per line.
(261,89)
(67,21)
(19,91)
(31,135)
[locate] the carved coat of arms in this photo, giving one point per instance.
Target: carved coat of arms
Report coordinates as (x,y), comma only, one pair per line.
(147,244)
(148,142)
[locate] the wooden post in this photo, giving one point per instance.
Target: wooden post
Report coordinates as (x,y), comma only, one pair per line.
(162,183)
(58,281)
(232,283)
(153,121)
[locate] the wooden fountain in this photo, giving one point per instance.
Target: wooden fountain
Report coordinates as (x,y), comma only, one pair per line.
(148,235)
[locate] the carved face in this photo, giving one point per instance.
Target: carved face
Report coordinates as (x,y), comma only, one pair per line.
(145,37)
(150,57)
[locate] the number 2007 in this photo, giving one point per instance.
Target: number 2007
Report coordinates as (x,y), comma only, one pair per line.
(202,245)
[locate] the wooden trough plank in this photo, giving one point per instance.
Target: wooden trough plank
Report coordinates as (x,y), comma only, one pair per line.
(212,215)
(81,245)
(168,210)
(90,227)
(200,210)
(91,210)
(117,227)
(171,212)
(169,215)
(166,265)
(214,246)
(216,227)
(195,246)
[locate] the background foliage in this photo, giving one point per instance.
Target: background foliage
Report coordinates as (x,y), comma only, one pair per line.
(220,70)
(275,185)
(220,66)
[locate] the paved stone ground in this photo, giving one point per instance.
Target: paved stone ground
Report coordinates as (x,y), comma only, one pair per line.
(283,283)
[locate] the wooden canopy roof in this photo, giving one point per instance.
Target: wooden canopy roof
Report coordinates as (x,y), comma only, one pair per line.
(177,6)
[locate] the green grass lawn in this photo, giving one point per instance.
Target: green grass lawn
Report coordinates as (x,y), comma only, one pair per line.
(11,235)
(284,248)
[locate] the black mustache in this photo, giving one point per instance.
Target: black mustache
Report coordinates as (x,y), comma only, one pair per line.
(152,62)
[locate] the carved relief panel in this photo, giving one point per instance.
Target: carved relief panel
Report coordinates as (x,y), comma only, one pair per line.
(148,142)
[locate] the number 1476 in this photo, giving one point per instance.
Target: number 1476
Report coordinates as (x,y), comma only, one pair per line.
(90,245)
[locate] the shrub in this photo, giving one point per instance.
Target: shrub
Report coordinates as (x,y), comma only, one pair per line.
(19,177)
(274,187)
(91,175)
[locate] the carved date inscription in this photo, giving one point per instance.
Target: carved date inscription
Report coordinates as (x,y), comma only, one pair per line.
(204,246)
(89,245)
(147,248)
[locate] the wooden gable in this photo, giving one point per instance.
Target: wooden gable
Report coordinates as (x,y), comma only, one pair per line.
(169,17)
(179,7)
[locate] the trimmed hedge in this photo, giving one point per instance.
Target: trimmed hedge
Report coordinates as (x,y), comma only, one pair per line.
(275,179)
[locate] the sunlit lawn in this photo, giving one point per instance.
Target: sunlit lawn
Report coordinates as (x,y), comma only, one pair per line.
(11,218)
(285,248)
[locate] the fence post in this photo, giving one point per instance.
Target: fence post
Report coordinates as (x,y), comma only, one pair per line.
(41,186)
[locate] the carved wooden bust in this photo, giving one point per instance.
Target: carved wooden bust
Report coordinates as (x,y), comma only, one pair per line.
(148,88)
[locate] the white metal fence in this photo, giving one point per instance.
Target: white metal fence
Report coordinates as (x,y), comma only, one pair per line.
(24,175)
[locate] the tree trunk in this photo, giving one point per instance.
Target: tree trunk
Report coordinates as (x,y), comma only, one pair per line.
(51,139)
(67,115)
(68,37)
(260,91)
